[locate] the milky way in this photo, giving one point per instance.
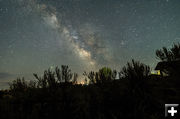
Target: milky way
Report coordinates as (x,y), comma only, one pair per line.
(84,34)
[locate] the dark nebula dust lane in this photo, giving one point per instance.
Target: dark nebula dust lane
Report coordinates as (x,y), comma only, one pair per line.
(84,34)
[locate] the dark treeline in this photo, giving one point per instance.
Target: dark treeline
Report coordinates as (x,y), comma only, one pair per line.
(134,94)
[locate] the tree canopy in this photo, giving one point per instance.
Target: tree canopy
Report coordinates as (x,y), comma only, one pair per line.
(171,54)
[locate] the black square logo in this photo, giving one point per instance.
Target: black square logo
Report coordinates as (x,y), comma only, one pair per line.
(172,111)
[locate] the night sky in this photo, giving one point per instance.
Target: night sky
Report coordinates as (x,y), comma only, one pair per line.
(84,34)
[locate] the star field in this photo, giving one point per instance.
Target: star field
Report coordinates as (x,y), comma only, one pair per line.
(84,34)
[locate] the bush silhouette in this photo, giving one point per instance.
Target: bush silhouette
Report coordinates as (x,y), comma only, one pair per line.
(51,79)
(137,75)
(104,75)
(57,94)
(18,85)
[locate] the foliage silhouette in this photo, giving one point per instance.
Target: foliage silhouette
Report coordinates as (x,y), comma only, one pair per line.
(137,74)
(18,85)
(104,74)
(170,58)
(51,79)
(57,94)
(172,54)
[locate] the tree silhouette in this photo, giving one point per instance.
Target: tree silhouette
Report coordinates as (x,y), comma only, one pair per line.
(66,74)
(135,70)
(57,94)
(136,73)
(104,74)
(18,85)
(51,79)
(172,54)
(170,58)
(75,78)
(91,76)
